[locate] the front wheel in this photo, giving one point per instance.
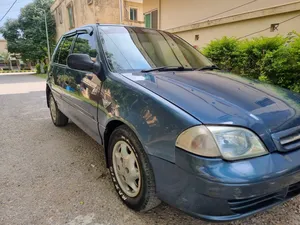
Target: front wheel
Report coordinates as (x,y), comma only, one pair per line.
(131,171)
(58,118)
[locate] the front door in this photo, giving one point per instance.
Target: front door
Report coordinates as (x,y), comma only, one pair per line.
(58,69)
(83,89)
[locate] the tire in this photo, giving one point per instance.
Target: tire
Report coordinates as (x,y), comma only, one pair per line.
(58,118)
(145,198)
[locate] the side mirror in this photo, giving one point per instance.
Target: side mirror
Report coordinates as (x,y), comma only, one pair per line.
(83,62)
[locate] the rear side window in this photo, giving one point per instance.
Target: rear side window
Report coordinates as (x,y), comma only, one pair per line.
(85,44)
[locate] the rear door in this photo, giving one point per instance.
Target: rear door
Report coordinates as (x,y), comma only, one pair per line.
(83,90)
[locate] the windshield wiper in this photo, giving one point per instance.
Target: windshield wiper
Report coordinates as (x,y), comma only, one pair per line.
(167,68)
(212,67)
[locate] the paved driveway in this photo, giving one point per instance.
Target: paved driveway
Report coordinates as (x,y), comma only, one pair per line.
(52,175)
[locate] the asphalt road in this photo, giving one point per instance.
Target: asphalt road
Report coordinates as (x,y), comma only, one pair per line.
(52,175)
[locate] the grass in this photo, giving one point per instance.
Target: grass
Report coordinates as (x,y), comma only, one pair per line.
(44,76)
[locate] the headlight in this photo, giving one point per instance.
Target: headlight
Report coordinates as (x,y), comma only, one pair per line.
(232,143)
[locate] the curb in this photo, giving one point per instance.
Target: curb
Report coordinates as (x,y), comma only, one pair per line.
(18,73)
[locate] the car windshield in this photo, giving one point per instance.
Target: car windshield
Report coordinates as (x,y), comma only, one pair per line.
(136,49)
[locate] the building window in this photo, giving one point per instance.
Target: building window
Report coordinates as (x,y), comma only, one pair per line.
(148,20)
(71,15)
(133,14)
(151,19)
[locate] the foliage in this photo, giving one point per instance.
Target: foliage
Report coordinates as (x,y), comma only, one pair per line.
(27,34)
(275,60)
(65,81)
(5,56)
(63,53)
(45,68)
(38,68)
(224,52)
(254,51)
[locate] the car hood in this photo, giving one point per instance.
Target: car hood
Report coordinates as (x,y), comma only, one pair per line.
(222,98)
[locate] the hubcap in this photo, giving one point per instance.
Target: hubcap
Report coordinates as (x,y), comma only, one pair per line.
(52,109)
(126,169)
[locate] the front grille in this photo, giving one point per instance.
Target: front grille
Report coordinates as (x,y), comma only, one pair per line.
(287,140)
(251,204)
(291,142)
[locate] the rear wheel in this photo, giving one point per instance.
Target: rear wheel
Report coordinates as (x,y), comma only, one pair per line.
(131,171)
(58,118)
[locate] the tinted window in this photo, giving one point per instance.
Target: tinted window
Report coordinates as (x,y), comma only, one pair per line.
(133,48)
(64,50)
(85,44)
(56,53)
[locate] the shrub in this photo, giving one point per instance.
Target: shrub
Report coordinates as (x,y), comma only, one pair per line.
(38,68)
(46,68)
(254,52)
(274,60)
(225,53)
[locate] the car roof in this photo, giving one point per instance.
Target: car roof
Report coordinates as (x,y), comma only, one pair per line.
(91,26)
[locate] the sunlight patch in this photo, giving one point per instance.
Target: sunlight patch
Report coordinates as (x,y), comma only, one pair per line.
(21,88)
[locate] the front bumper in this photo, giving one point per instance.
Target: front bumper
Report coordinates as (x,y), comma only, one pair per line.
(213,189)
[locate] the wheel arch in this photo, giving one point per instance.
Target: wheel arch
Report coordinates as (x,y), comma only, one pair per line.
(109,129)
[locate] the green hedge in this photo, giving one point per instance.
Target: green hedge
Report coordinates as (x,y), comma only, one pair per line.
(45,68)
(274,60)
(38,68)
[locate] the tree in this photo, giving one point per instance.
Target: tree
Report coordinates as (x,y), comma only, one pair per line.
(6,58)
(26,35)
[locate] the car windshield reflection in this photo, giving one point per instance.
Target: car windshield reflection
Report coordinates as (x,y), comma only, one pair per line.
(135,49)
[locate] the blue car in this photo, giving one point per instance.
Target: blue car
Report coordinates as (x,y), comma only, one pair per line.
(173,127)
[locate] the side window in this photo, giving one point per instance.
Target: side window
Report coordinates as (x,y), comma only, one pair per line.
(85,44)
(65,50)
(56,53)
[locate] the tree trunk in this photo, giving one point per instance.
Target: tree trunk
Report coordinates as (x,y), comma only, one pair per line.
(10,66)
(29,64)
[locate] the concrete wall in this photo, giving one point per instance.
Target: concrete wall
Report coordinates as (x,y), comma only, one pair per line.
(150,5)
(3,45)
(138,6)
(99,11)
(199,17)
(178,12)
(242,28)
